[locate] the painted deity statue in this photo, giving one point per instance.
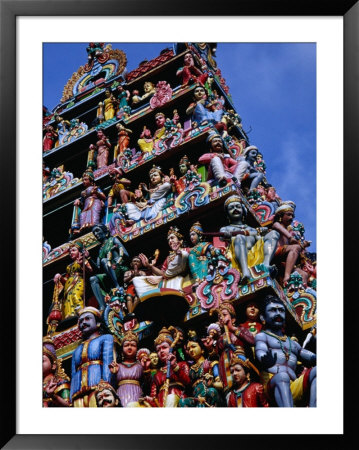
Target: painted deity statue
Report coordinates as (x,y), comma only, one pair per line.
(189,175)
(204,375)
(252,321)
(135,271)
(232,340)
(199,253)
(201,110)
(289,248)
(119,190)
(63,126)
(123,98)
(278,355)
(156,192)
(103,146)
(72,283)
(50,138)
(109,105)
(129,372)
(189,73)
(110,262)
(91,204)
(246,169)
(146,141)
(171,379)
(244,393)
(56,384)
(172,271)
(221,166)
(90,360)
(123,141)
(248,248)
(106,396)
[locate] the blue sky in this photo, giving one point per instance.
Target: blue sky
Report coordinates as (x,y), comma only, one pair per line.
(273,87)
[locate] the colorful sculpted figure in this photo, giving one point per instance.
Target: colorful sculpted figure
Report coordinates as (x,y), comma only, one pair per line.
(221,166)
(123,98)
(189,73)
(156,192)
(100,113)
(232,340)
(244,393)
(128,372)
(200,110)
(50,138)
(135,271)
(149,90)
(289,248)
(106,396)
(91,204)
(199,253)
(73,282)
(119,190)
(204,375)
(172,378)
(90,360)
(189,175)
(252,322)
(172,271)
(103,146)
(110,261)
(246,169)
(146,141)
(123,140)
(63,126)
(278,355)
(109,105)
(248,248)
(56,384)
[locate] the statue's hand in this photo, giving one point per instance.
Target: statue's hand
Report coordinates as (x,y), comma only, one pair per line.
(114,367)
(50,387)
(268,360)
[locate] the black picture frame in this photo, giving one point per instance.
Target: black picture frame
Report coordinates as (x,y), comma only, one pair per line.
(9,11)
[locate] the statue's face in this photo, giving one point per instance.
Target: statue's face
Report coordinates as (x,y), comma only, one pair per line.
(235,210)
(188,59)
(155,177)
(47,367)
(136,263)
(287,218)
(174,242)
(154,359)
(99,233)
(87,324)
(217,144)
(129,348)
(183,168)
(107,93)
(274,315)
(147,87)
(106,399)
(163,351)
(160,121)
(194,237)
(225,317)
(194,350)
(199,93)
(252,154)
(74,252)
(252,311)
(238,374)
(86,181)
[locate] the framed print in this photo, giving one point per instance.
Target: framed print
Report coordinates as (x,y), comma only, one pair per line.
(142,181)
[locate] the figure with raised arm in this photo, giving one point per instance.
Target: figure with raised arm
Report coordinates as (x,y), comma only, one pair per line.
(246,168)
(278,354)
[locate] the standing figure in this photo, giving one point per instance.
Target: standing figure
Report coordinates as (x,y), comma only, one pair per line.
(103,146)
(171,273)
(246,168)
(204,376)
(50,138)
(189,73)
(252,322)
(278,355)
(109,105)
(248,248)
(131,297)
(222,167)
(56,384)
(106,396)
(146,141)
(110,261)
(289,248)
(172,378)
(100,114)
(90,360)
(118,190)
(128,372)
(123,98)
(123,141)
(244,393)
(200,110)
(199,253)
(91,203)
(73,282)
(232,340)
(63,126)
